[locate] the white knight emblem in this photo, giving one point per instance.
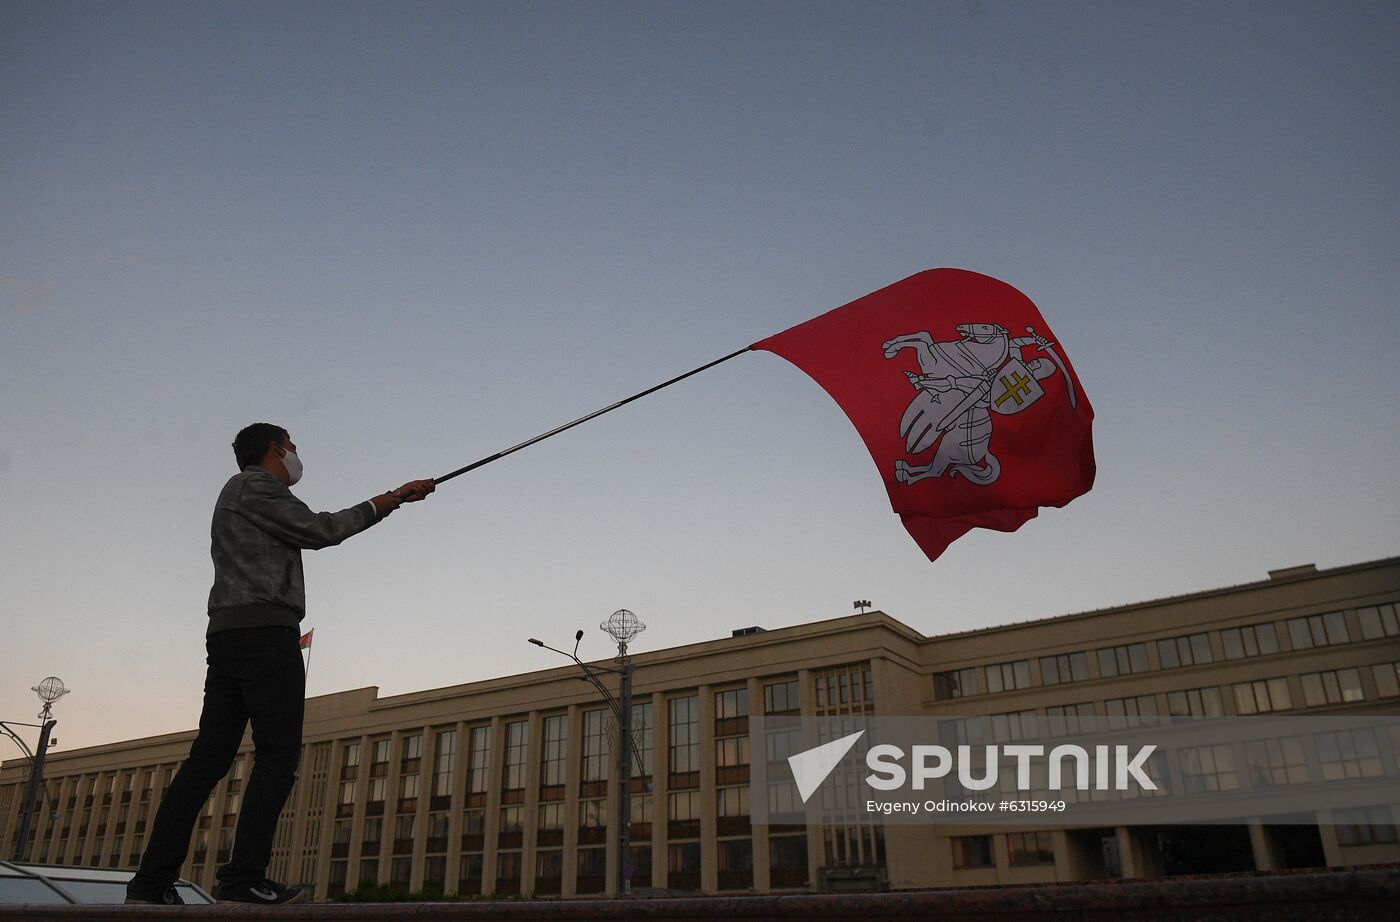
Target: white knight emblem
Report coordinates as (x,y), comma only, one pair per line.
(963,382)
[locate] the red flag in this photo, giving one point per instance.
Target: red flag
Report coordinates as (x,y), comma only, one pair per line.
(963,395)
(305,642)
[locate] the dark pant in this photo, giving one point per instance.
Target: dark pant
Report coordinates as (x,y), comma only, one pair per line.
(255,674)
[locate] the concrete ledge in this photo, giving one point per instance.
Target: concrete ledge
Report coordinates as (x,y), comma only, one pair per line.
(1368,893)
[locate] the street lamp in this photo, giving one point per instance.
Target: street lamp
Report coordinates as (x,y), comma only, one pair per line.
(49,691)
(622,626)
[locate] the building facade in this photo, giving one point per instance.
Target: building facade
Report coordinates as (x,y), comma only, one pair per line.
(502,786)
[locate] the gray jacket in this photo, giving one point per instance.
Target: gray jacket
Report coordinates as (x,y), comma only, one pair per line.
(258,532)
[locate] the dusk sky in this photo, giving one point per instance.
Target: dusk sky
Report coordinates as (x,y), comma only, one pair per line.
(417,233)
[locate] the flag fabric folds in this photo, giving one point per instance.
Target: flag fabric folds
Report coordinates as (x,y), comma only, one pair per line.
(305,641)
(963,396)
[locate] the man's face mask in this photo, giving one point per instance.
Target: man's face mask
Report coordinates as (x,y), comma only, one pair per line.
(293,465)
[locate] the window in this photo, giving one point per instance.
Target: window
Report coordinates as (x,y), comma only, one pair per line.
(972,851)
(412,748)
(1378,621)
(1065,667)
(592,812)
(685,734)
(1014,725)
(732,751)
(1026,848)
(1348,754)
(595,745)
(478,759)
(404,827)
(642,735)
(381,752)
(1186,650)
(376,790)
(683,863)
(787,856)
(735,864)
(469,877)
(473,822)
(1387,679)
(781,698)
(517,743)
(960,683)
(1009,676)
(434,874)
(373,831)
(1208,768)
(845,689)
(1364,826)
(732,703)
(1195,702)
(1123,660)
(592,868)
(1262,696)
(408,787)
(350,755)
(1331,687)
(1070,718)
(552,816)
(1318,631)
(444,763)
(684,805)
(1276,761)
(1254,640)
(400,871)
(512,819)
(732,801)
(369,871)
(1130,711)
(555,755)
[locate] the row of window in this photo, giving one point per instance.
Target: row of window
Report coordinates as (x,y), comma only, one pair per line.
(734,864)
(1259,696)
(1305,633)
(1354,826)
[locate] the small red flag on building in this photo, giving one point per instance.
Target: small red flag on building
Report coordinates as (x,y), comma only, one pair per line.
(964,398)
(305,642)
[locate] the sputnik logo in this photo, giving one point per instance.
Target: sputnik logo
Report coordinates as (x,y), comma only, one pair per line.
(810,768)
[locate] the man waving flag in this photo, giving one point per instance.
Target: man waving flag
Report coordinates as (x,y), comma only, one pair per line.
(966,401)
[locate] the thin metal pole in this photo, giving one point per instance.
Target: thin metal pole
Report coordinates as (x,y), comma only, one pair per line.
(624,785)
(583,419)
(31,790)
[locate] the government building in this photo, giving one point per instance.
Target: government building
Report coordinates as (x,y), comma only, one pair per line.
(502,786)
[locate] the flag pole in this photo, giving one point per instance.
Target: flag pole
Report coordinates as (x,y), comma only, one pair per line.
(583,419)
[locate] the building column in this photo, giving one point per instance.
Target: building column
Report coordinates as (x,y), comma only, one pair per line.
(661,791)
(494,782)
(420,818)
(762,878)
(534,753)
(816,843)
(1262,847)
(357,813)
(709,850)
(455,811)
(573,770)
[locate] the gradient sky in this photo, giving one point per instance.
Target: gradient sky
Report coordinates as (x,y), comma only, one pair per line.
(417,233)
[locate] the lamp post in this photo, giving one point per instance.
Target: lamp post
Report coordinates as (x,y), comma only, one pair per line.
(622,626)
(49,691)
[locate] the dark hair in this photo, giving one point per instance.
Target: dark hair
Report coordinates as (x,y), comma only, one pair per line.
(252,442)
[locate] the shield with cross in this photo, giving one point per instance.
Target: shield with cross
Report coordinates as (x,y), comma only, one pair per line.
(1014,388)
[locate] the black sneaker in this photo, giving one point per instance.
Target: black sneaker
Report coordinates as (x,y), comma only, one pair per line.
(265,892)
(167,896)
